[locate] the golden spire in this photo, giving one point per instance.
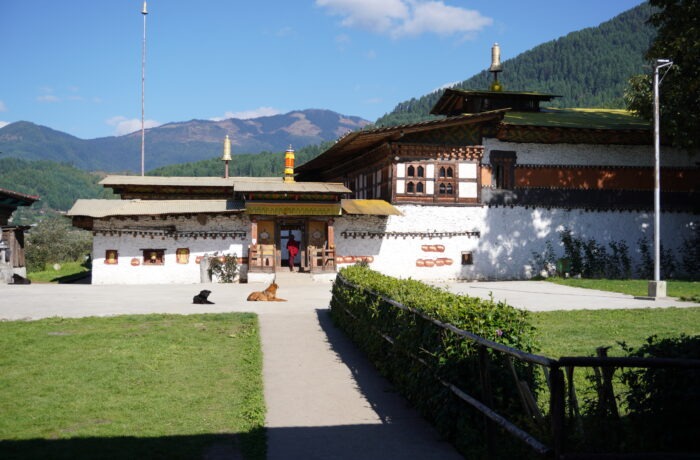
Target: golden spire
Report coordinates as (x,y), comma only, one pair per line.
(289,165)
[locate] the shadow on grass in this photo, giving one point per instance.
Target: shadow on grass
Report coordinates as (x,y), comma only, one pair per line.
(206,446)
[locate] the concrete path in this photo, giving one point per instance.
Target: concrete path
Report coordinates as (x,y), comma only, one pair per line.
(545,296)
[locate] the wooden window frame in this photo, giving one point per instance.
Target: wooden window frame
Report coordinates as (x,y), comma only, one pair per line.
(149,259)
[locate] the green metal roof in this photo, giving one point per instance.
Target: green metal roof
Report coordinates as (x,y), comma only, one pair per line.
(578,118)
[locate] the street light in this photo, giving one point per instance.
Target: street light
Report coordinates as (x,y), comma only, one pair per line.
(657,288)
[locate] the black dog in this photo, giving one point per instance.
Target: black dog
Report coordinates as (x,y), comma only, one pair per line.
(202,297)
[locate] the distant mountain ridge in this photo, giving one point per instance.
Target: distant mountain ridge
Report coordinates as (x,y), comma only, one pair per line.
(178,142)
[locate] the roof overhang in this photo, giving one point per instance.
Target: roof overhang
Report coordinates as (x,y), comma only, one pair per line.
(13,199)
(362,141)
(369,208)
(124,208)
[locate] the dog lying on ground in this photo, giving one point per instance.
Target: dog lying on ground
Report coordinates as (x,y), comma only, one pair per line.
(202,297)
(269,294)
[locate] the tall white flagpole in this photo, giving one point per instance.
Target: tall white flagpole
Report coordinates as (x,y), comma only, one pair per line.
(144,13)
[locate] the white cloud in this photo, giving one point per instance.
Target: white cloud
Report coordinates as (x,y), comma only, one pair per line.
(4,123)
(3,107)
(123,125)
(446,85)
(441,19)
(247,114)
(50,98)
(285,32)
(399,18)
(377,16)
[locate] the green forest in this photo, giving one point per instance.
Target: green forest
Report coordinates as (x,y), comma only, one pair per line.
(263,164)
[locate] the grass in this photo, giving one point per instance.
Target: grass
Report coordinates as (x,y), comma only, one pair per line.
(580,332)
(151,386)
(50,275)
(684,290)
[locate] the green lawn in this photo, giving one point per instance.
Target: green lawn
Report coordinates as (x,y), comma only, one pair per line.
(151,386)
(685,290)
(51,275)
(580,332)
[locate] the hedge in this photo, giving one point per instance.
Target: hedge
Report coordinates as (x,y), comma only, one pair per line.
(422,353)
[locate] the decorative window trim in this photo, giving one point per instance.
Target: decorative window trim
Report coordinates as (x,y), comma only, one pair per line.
(467,258)
(111,257)
(182,255)
(153,256)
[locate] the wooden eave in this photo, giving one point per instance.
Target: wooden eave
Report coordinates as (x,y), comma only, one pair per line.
(454,100)
(567,135)
(11,199)
(163,192)
(362,141)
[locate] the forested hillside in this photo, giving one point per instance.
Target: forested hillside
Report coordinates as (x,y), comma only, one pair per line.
(264,164)
(57,184)
(588,68)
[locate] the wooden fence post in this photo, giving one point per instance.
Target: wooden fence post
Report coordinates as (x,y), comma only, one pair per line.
(557,409)
(487,396)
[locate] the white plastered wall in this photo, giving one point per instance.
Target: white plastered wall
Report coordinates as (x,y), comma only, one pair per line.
(130,246)
(508,238)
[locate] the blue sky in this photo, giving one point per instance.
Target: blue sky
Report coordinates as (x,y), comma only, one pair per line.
(75,65)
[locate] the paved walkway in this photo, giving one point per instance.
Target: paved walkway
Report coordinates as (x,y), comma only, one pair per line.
(324,400)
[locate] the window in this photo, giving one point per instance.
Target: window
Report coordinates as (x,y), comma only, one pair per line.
(446,172)
(420,187)
(446,189)
(410,187)
(153,256)
(503,169)
(415,171)
(467,258)
(111,257)
(182,255)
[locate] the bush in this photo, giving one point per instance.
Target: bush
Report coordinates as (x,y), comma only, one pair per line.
(663,403)
(226,270)
(422,352)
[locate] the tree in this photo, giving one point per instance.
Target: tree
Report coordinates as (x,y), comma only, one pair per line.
(54,241)
(678,39)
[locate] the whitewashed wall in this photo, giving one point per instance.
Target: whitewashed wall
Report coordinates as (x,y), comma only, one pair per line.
(508,238)
(130,246)
(587,154)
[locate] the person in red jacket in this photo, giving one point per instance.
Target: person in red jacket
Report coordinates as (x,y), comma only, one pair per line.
(293,249)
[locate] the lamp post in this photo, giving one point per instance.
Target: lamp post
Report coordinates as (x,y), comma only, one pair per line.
(657,288)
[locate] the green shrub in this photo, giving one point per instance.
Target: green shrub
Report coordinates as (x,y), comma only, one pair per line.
(663,403)
(226,270)
(444,355)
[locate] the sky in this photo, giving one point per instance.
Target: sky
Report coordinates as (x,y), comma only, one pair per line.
(75,65)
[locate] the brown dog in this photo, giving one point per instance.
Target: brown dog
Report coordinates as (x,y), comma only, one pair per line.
(269,294)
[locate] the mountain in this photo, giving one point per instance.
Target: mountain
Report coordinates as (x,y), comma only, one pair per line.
(176,142)
(588,68)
